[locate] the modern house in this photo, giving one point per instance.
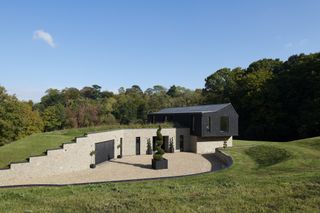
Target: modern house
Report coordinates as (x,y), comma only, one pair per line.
(211,126)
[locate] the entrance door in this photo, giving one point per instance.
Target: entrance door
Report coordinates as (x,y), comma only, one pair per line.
(181,143)
(104,151)
(165,145)
(154,145)
(137,145)
(121,147)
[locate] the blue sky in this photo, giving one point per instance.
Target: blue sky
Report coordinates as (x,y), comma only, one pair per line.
(58,44)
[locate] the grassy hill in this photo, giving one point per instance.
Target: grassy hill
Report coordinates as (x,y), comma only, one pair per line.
(288,184)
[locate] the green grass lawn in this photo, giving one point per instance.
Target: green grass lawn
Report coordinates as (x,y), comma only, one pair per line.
(291,184)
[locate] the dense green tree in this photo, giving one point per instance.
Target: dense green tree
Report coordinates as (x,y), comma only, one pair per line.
(93,92)
(52,97)
(17,119)
(54,117)
(275,100)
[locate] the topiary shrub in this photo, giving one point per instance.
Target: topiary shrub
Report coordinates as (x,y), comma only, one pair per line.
(92,165)
(159,141)
(225,144)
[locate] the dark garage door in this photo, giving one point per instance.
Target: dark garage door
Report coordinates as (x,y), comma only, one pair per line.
(104,151)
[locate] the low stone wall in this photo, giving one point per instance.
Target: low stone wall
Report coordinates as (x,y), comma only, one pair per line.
(76,156)
(209,145)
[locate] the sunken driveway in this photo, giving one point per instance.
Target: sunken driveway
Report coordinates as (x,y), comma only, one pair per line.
(129,168)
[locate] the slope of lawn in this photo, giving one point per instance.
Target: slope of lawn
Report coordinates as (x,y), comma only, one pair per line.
(37,144)
(290,185)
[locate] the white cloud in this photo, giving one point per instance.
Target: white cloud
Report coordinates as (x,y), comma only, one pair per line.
(45,36)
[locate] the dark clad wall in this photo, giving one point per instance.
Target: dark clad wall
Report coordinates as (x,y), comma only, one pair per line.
(215,122)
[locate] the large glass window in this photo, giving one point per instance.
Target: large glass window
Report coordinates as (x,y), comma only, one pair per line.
(209,124)
(180,143)
(224,124)
(193,123)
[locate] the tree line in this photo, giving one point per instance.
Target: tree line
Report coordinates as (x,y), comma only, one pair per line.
(275,100)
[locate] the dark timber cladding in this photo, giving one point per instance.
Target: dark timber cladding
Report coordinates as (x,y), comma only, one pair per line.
(216,120)
(104,151)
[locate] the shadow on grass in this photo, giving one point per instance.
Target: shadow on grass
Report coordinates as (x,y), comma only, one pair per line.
(216,163)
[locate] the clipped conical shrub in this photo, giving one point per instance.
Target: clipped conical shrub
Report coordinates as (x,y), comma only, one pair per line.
(159,141)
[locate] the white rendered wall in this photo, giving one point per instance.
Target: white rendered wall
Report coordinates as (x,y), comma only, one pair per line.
(209,146)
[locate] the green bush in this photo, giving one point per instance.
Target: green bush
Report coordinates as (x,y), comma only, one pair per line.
(267,155)
(157,156)
(159,141)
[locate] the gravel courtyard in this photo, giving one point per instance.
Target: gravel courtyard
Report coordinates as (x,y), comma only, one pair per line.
(128,168)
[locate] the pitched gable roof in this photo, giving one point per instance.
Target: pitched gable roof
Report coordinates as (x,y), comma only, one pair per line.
(193,109)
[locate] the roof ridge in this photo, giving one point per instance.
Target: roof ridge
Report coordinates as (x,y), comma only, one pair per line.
(194,109)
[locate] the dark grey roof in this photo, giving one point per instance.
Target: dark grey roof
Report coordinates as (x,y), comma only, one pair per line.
(193,109)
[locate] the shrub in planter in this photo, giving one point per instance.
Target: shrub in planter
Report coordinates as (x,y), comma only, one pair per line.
(92,165)
(149,149)
(225,145)
(158,162)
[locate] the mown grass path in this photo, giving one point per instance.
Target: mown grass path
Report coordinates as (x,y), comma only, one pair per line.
(292,185)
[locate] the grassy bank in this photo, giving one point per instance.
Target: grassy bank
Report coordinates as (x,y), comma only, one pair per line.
(289,185)
(36,144)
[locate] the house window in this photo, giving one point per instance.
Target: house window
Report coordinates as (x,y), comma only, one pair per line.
(209,124)
(193,123)
(180,144)
(121,147)
(137,145)
(153,119)
(224,124)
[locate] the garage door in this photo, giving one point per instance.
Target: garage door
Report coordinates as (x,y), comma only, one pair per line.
(104,151)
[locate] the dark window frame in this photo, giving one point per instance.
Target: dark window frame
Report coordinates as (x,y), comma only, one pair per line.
(138,141)
(181,141)
(209,124)
(224,124)
(193,123)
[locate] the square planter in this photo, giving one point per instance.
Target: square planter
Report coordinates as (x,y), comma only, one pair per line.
(160,164)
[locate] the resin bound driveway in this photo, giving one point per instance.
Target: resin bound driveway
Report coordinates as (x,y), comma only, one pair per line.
(128,168)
